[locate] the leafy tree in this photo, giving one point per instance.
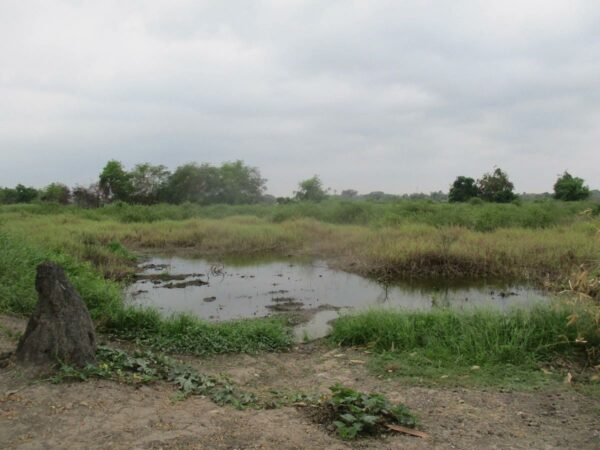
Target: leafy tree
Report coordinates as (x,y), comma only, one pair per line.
(232,183)
(8,196)
(56,193)
(376,195)
(148,183)
(311,190)
(570,188)
(349,193)
(463,189)
(194,183)
(89,197)
(284,200)
(438,196)
(240,183)
(115,182)
(496,187)
(25,194)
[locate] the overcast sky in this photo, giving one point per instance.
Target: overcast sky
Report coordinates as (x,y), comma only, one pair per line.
(398,96)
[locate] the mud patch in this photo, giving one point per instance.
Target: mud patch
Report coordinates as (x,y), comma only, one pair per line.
(185,284)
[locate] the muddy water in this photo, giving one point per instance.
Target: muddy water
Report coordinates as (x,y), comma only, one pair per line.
(311,291)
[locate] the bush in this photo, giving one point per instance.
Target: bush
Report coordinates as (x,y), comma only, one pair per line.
(569,188)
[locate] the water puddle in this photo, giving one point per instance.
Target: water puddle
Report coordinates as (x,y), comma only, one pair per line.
(312,293)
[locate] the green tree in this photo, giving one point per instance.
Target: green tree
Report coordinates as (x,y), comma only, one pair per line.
(194,183)
(311,190)
(496,187)
(148,183)
(25,194)
(115,182)
(570,188)
(463,189)
(240,183)
(8,196)
(56,193)
(349,193)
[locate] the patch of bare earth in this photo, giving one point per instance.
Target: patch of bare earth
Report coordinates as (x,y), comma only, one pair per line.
(102,414)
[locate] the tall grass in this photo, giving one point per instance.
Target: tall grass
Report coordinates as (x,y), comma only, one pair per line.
(17,279)
(477,337)
(410,250)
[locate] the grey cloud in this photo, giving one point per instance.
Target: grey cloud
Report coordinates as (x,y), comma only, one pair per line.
(380,95)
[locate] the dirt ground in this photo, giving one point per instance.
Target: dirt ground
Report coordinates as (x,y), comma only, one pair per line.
(107,415)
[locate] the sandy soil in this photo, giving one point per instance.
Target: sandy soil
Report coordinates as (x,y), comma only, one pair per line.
(107,415)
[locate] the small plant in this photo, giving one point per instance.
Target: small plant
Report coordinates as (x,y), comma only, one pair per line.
(355,413)
(146,367)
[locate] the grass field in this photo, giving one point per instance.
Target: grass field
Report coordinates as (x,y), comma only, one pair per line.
(544,243)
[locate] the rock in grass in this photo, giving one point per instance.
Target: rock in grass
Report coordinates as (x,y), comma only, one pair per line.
(60,329)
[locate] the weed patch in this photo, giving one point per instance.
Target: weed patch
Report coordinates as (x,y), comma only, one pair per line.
(190,335)
(353,414)
(147,367)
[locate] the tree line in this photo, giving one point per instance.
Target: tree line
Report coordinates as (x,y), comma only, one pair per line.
(496,187)
(238,183)
(147,184)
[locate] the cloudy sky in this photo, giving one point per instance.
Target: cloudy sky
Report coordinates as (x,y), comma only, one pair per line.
(399,96)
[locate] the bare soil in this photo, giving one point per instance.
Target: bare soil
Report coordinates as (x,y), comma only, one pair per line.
(106,415)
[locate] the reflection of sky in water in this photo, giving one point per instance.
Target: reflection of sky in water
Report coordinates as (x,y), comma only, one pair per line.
(246,291)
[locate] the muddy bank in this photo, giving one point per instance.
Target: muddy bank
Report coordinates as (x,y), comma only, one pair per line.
(103,414)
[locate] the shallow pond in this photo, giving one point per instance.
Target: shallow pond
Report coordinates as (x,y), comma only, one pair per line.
(312,292)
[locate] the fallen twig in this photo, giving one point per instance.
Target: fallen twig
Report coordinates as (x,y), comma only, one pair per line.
(409,431)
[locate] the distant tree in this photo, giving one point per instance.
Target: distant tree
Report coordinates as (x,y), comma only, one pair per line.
(269,199)
(376,195)
(311,190)
(570,188)
(56,193)
(194,183)
(8,196)
(463,189)
(284,200)
(148,183)
(115,182)
(416,196)
(438,196)
(25,194)
(89,197)
(496,187)
(240,183)
(349,193)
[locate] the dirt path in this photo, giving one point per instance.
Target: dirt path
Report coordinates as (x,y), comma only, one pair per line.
(106,415)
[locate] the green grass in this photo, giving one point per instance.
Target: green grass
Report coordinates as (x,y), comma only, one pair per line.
(477,216)
(474,347)
(187,334)
(18,261)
